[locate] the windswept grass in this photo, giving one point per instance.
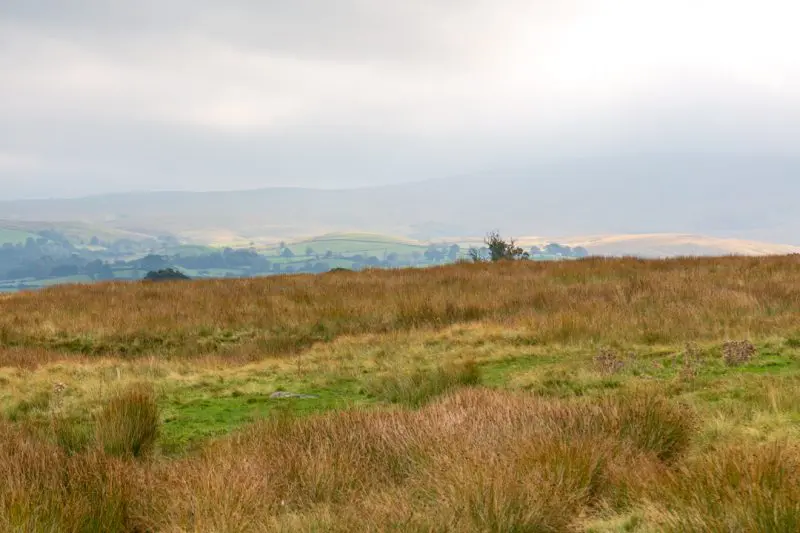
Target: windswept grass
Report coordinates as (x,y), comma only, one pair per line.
(597,395)
(599,301)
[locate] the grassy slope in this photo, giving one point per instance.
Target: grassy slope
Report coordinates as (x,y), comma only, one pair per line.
(215,351)
(670,244)
(351,243)
(74,230)
(14,236)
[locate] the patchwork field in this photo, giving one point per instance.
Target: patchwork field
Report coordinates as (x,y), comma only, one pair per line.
(593,395)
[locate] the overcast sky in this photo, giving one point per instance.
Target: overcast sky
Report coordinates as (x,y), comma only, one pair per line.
(101,95)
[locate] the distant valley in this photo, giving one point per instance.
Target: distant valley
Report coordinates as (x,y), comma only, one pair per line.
(699,205)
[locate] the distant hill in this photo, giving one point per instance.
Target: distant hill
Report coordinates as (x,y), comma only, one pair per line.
(719,196)
(14,231)
(670,245)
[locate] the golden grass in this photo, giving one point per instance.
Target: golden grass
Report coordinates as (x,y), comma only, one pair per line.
(591,301)
(475,461)
(501,419)
(127,426)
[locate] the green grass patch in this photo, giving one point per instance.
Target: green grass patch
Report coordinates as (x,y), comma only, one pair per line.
(191,417)
(499,373)
(355,243)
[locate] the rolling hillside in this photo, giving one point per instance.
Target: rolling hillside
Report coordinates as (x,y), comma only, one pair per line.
(656,245)
(723,197)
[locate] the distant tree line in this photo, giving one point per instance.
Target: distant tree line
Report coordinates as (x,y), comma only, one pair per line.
(50,254)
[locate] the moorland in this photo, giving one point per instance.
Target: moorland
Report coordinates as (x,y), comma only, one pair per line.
(587,395)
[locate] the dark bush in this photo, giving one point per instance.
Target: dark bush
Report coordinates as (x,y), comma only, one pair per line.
(166,274)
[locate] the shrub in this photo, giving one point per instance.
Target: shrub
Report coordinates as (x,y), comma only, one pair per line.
(128,424)
(167,274)
(500,249)
(736,353)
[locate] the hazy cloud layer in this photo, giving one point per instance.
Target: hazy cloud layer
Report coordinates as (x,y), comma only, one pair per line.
(98,96)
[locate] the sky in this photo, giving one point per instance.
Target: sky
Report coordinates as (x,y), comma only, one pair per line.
(102,96)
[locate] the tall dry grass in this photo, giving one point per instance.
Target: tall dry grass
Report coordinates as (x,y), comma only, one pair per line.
(46,489)
(595,300)
(473,461)
(127,426)
(422,385)
(467,460)
(738,488)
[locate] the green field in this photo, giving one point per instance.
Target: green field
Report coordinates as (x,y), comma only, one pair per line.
(356,243)
(352,251)
(15,236)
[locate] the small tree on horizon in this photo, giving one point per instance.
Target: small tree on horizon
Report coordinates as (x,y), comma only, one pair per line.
(167,274)
(501,249)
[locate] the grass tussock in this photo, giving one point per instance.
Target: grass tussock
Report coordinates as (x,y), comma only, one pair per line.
(128,424)
(475,460)
(45,489)
(422,386)
(736,488)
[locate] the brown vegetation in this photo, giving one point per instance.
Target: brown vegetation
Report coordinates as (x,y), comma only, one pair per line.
(602,301)
(475,461)
(596,441)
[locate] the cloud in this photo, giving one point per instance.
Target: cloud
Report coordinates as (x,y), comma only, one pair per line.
(18,163)
(137,94)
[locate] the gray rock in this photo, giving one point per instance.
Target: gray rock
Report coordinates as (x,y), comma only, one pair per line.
(280,395)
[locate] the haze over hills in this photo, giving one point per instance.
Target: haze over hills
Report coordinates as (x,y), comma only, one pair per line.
(721,196)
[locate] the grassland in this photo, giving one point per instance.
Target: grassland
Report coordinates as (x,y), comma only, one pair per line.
(592,395)
(351,243)
(15,236)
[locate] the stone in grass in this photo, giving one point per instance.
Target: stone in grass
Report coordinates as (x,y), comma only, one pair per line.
(282,395)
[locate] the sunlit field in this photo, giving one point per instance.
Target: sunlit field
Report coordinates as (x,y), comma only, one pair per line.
(592,395)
